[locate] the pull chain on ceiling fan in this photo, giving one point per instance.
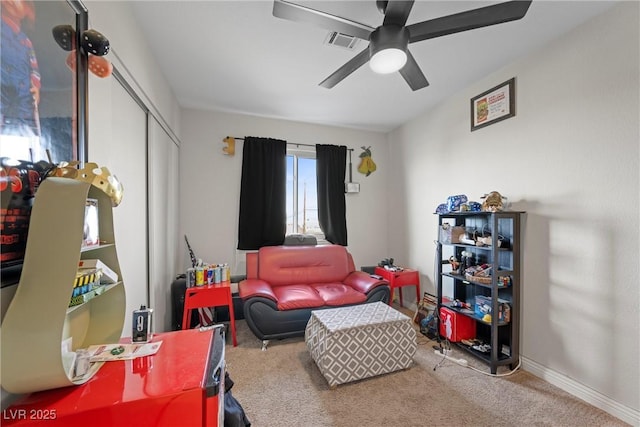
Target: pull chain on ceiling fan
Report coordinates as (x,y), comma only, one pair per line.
(388,44)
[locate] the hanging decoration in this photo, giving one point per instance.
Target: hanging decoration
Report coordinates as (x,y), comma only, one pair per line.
(230,148)
(92,42)
(367,165)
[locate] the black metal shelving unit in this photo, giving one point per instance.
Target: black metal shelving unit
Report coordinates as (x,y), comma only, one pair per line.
(504,255)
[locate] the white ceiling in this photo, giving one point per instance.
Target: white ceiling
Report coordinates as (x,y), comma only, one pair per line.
(235,56)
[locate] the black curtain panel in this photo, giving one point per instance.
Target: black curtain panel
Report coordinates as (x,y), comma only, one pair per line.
(262,193)
(331,165)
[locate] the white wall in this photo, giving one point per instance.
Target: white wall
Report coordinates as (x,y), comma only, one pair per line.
(131,53)
(570,158)
(132,57)
(210,184)
(122,129)
(164,223)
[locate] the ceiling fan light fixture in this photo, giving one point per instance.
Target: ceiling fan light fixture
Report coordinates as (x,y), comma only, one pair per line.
(388,60)
(388,48)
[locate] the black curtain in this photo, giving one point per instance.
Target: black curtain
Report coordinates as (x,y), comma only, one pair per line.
(331,165)
(262,193)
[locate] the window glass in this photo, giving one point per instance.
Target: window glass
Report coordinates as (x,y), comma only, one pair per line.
(302,201)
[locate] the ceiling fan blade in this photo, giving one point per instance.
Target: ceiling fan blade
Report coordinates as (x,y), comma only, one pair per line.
(341,73)
(294,12)
(397,12)
(463,21)
(412,74)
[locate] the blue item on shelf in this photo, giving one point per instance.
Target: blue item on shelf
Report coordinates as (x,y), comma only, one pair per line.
(442,209)
(454,202)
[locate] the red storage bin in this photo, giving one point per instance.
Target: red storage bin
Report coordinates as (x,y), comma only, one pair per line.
(455,326)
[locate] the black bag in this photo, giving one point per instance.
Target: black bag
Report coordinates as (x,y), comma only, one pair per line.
(234,415)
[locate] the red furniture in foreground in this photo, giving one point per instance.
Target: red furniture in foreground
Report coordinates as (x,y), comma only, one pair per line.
(181,385)
(398,279)
(209,296)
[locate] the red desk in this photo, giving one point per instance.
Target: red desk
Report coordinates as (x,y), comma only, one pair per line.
(398,279)
(209,296)
(181,385)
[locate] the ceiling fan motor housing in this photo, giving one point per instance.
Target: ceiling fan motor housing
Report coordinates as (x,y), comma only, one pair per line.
(388,37)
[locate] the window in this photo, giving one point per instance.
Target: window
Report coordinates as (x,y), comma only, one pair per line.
(302,202)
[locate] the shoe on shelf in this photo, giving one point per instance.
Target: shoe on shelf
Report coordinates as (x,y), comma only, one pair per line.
(482,348)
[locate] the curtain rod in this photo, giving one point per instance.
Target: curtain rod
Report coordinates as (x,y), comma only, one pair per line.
(288,143)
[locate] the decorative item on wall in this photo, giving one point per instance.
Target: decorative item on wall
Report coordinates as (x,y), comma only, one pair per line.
(92,42)
(367,165)
(494,105)
(230,149)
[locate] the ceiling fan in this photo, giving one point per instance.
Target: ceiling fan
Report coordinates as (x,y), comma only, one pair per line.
(388,44)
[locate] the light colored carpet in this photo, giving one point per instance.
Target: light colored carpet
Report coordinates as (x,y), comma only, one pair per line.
(283,387)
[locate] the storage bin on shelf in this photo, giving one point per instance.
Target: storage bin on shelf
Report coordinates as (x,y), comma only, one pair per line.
(483,306)
(450,233)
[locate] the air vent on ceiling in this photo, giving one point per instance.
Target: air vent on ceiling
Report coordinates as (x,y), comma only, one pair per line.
(345,41)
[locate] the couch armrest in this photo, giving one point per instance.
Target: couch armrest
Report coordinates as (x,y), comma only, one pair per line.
(256,288)
(363,282)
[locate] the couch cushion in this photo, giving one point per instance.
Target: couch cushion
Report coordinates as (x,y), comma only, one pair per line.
(337,294)
(256,288)
(290,265)
(291,297)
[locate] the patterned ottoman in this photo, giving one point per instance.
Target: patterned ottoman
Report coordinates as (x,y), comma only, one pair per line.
(361,341)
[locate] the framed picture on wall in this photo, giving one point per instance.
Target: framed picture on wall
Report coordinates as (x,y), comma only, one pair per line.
(493,105)
(42,109)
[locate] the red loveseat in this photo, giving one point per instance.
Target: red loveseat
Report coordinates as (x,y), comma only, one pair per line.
(285,283)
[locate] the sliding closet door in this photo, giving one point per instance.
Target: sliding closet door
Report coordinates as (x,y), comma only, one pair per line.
(118,140)
(163,220)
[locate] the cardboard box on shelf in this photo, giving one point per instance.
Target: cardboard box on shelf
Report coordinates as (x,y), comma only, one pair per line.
(450,233)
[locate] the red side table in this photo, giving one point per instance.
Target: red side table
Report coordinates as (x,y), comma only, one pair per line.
(209,296)
(398,279)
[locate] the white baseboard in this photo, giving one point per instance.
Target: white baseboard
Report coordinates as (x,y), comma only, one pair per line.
(618,410)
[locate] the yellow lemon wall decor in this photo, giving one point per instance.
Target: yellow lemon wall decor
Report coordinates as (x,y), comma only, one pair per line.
(366,166)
